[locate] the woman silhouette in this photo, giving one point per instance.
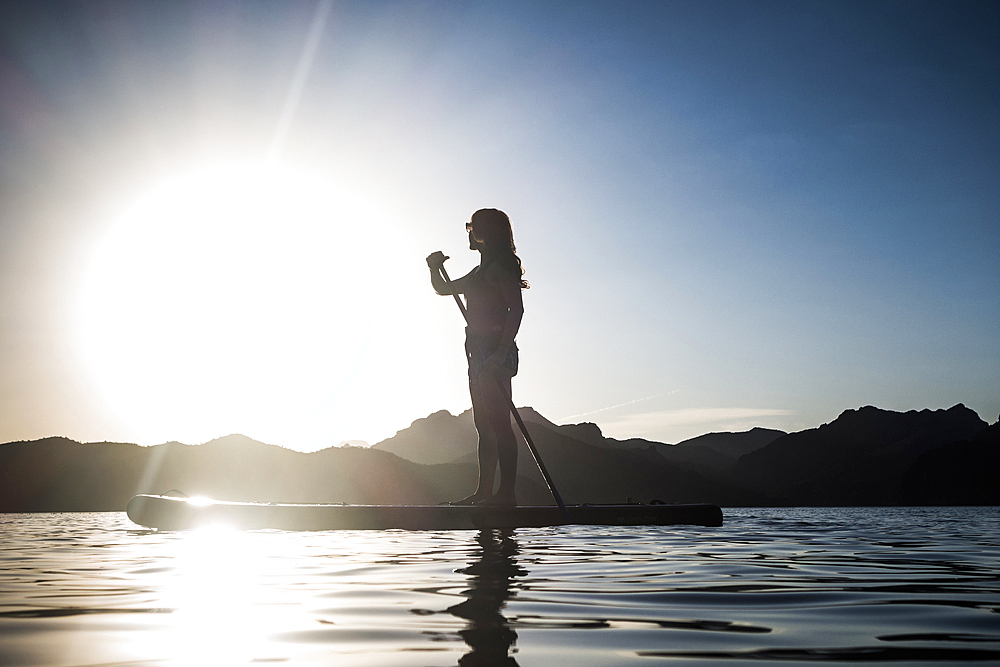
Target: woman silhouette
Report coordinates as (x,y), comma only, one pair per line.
(493,296)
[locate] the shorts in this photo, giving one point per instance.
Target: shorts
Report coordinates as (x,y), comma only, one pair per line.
(477,360)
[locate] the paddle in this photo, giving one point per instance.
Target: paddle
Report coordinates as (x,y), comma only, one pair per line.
(517,417)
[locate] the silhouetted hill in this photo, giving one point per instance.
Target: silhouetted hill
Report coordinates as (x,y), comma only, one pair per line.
(864,457)
(957,473)
(588,468)
(586,473)
(586,432)
(438,438)
(444,438)
(712,454)
(57,474)
(857,459)
(734,445)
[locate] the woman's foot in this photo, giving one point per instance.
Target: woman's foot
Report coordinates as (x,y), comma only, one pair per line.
(474,499)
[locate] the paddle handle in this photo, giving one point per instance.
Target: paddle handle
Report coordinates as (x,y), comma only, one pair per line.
(513,411)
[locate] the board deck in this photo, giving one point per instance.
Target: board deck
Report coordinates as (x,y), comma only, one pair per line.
(172,513)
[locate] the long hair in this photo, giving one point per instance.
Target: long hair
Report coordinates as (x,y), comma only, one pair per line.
(491,227)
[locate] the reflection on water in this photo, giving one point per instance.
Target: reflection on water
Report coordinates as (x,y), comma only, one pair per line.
(489,634)
(791,585)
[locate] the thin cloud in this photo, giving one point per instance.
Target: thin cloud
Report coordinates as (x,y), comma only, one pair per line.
(612,407)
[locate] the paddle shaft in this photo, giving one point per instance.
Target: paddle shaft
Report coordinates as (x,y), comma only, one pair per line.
(513,411)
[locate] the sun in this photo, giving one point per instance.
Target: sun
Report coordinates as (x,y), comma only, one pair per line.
(227,300)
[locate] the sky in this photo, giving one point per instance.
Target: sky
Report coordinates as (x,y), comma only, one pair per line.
(214,216)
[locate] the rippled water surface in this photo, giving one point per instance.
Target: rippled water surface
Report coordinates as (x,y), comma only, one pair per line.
(906,585)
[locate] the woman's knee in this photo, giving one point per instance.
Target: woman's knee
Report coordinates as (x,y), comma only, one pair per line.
(484,427)
(499,421)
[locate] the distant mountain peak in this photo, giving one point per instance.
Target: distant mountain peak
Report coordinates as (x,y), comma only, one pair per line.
(529,414)
(232,438)
(734,445)
(239,441)
(958,408)
(857,458)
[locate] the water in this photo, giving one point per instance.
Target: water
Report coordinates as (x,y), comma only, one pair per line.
(907,585)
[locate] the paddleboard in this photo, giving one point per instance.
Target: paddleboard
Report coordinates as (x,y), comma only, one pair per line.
(172,513)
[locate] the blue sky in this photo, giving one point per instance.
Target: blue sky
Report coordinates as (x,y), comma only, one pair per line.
(731,213)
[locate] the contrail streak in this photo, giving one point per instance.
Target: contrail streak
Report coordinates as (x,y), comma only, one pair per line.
(299,79)
(612,407)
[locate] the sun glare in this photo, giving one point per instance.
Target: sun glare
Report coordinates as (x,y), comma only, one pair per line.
(227,300)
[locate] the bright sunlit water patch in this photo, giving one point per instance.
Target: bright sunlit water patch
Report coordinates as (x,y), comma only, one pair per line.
(249,298)
(893,585)
(212,589)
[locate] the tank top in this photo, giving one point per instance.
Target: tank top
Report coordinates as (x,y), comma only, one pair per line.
(486,308)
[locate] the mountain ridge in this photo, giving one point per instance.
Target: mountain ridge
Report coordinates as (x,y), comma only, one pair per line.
(865,456)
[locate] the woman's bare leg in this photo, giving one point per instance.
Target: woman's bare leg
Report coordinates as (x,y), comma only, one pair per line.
(498,412)
(481,407)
